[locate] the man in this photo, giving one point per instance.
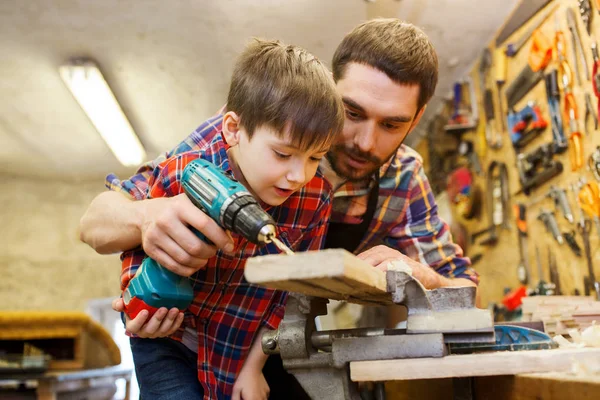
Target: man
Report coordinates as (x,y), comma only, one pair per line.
(383,208)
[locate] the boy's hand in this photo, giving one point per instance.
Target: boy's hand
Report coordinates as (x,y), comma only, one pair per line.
(167,238)
(250,384)
(163,323)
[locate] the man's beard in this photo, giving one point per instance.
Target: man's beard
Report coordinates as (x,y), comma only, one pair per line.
(347,172)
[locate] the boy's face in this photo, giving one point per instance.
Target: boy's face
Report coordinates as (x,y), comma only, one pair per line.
(380,113)
(270,167)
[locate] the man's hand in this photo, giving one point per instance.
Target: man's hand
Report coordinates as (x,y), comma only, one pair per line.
(163,323)
(250,384)
(380,256)
(168,239)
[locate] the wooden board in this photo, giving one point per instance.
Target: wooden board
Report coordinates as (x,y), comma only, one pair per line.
(334,274)
(483,364)
(550,385)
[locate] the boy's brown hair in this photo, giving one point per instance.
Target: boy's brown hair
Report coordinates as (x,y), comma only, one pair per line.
(399,49)
(286,88)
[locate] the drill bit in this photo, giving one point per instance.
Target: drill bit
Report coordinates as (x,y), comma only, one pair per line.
(281,246)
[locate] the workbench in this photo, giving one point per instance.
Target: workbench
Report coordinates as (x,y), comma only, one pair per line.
(49,385)
(336,274)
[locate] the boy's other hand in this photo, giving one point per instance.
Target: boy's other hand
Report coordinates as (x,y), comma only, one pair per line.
(163,323)
(250,384)
(167,238)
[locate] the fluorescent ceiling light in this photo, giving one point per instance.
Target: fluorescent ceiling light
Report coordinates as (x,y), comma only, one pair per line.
(93,94)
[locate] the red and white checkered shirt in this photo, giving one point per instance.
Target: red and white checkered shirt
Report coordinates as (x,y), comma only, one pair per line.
(227,311)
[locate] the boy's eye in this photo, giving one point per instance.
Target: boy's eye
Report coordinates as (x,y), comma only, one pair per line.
(281,155)
(316,159)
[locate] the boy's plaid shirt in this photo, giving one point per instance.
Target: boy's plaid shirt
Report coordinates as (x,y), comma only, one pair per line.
(406,217)
(227,311)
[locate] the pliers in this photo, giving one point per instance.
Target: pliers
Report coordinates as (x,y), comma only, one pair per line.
(589,110)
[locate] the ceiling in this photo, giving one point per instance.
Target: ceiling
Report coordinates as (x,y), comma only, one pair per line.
(168,63)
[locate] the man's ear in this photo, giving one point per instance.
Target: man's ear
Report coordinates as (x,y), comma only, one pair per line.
(417,118)
(231,128)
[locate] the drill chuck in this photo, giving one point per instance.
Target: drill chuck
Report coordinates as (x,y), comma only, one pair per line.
(244,216)
(227,202)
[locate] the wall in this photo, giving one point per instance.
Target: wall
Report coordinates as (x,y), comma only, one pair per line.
(43,265)
(499,263)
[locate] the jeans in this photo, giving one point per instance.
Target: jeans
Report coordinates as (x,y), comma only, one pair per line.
(165,370)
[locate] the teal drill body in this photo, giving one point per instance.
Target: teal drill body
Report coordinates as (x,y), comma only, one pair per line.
(229,204)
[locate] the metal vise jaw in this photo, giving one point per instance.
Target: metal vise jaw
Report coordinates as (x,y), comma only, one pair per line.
(320,359)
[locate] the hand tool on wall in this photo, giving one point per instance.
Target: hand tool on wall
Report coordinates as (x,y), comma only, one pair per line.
(500,73)
(589,200)
(572,242)
(523,270)
(539,57)
(561,202)
(497,199)
(577,46)
(466,148)
(594,163)
(553,96)
(522,13)
(464,192)
(543,288)
(524,125)
(492,137)
(464,117)
(547,217)
(537,167)
(554,276)
(227,202)
(590,111)
(591,285)
(596,75)
(570,107)
(585,10)
(513,48)
(584,226)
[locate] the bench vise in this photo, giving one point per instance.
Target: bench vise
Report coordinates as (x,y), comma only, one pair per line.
(320,360)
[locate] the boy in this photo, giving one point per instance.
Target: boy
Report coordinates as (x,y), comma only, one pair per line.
(282,114)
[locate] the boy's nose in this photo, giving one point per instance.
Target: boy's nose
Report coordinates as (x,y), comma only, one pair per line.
(296,174)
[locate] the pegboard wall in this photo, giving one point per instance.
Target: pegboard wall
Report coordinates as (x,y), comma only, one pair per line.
(498,263)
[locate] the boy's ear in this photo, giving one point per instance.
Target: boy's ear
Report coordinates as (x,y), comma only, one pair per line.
(231,128)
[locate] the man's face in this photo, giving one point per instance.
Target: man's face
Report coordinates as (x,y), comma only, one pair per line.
(379,115)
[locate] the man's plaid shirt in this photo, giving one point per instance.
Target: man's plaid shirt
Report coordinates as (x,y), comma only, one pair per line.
(227,311)
(406,217)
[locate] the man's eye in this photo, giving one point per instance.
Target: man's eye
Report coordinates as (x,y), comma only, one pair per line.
(352,114)
(281,155)
(390,127)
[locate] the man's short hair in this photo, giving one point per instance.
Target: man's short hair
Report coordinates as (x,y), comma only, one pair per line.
(399,49)
(287,89)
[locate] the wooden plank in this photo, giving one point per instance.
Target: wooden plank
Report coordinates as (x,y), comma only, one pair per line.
(483,364)
(334,274)
(553,385)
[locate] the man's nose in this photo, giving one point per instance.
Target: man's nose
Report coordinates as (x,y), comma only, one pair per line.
(365,138)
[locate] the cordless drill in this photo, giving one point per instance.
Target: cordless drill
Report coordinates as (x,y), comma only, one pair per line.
(230,205)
